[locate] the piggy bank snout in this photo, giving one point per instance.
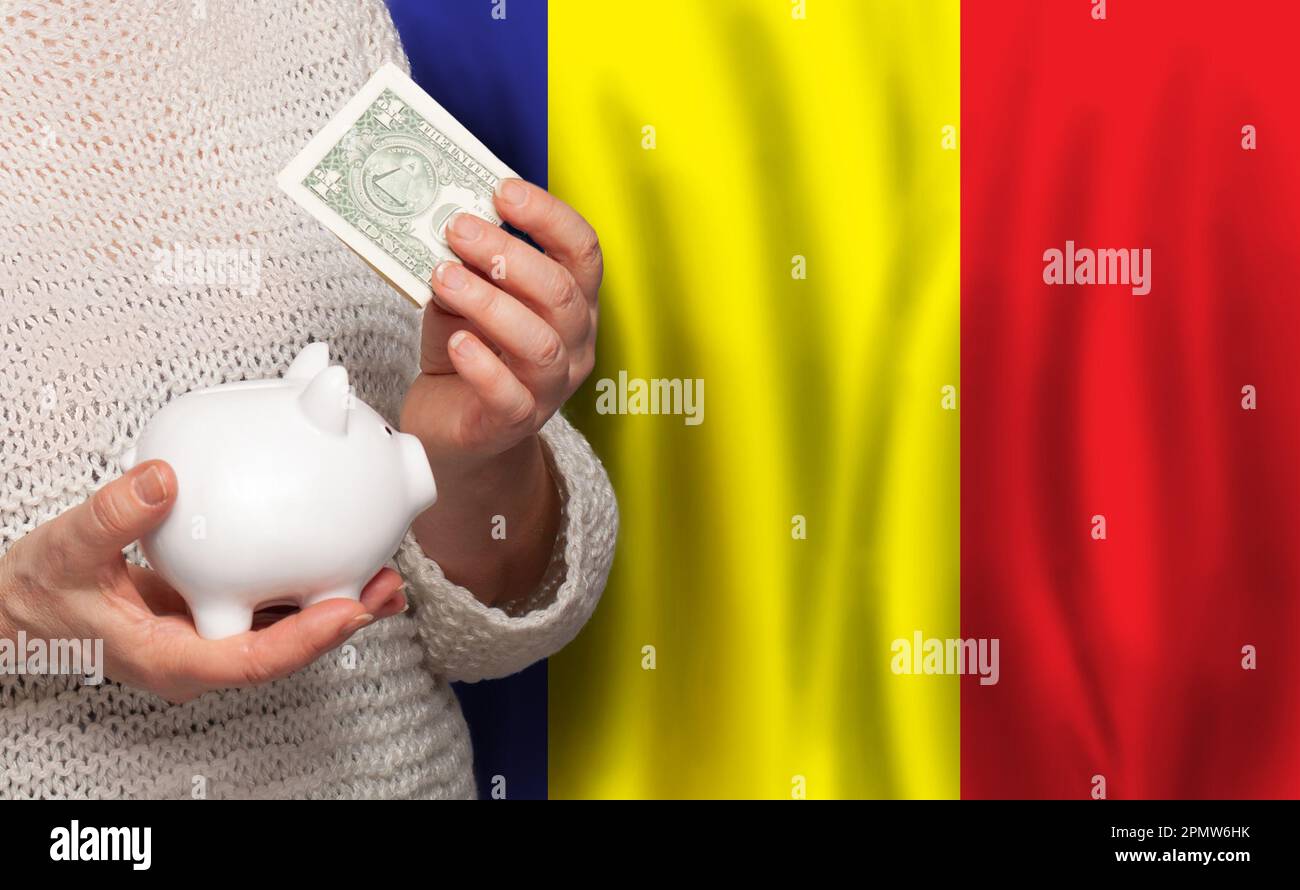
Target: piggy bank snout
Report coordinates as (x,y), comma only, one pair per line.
(416,472)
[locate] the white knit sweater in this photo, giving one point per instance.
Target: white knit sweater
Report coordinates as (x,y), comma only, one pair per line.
(130,127)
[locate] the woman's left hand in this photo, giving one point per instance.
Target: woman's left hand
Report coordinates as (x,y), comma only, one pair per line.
(510,334)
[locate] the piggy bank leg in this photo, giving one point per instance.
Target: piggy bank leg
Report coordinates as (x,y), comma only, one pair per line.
(349,592)
(216,621)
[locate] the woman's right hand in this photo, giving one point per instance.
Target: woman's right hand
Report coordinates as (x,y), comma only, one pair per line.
(67,580)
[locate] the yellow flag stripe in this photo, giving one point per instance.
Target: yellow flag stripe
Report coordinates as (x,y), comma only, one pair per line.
(721,149)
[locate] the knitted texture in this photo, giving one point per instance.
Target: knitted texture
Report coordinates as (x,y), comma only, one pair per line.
(139,130)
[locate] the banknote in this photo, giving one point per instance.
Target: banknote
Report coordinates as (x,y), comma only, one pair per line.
(387,172)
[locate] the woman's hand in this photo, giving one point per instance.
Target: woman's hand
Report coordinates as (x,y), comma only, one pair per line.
(508,337)
(67,580)
(507,340)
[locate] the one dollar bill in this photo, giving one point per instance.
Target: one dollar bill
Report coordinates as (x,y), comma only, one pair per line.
(388,172)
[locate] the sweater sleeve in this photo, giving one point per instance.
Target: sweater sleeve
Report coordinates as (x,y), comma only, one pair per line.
(467,640)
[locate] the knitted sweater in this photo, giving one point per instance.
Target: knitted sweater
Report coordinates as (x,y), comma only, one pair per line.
(131,128)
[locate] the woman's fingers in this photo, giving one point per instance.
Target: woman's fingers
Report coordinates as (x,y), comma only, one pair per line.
(537,310)
(507,404)
(182,664)
(539,353)
(383,596)
(86,589)
(94,533)
(172,659)
(520,270)
(437,326)
(558,228)
(286,646)
(394,605)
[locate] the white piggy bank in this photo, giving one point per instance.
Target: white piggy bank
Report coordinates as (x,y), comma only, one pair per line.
(291,491)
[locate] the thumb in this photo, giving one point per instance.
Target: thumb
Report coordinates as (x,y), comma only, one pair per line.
(96,531)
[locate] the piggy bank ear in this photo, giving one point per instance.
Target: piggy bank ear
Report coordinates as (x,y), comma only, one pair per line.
(314,358)
(327,400)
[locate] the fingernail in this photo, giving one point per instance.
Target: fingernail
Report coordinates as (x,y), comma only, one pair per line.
(451,275)
(512,191)
(357,623)
(465,226)
(457,341)
(150,487)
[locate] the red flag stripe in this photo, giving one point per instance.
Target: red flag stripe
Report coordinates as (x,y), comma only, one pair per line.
(1122,657)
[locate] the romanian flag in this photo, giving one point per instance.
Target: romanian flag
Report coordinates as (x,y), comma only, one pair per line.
(971,467)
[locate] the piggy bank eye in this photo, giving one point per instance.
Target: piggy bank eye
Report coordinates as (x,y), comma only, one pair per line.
(388,429)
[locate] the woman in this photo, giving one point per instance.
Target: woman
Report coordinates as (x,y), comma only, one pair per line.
(139,130)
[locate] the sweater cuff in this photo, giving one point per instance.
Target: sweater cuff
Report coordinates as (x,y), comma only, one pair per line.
(468,640)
